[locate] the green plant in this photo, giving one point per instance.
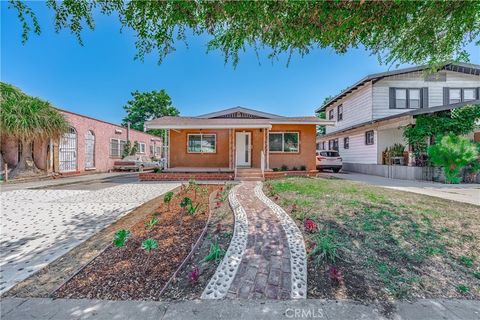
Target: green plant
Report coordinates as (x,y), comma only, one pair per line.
(186,201)
(149,245)
(303,167)
(284,167)
(191,209)
(463,289)
(276,169)
(452,153)
(126,149)
(27,118)
(134,149)
(466,261)
(151,223)
(294,168)
(120,238)
(167,198)
(215,253)
(476,274)
(158,170)
(325,248)
(397,150)
(459,121)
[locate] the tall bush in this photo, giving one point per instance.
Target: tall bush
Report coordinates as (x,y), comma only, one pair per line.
(453,153)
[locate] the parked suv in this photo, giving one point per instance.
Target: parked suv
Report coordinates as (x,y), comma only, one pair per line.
(328,159)
(135,163)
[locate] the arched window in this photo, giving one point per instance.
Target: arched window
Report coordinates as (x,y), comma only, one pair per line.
(89,150)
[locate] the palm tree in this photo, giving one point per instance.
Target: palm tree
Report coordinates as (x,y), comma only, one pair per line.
(27,119)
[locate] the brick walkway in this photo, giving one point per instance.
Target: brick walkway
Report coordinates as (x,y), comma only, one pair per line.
(265,268)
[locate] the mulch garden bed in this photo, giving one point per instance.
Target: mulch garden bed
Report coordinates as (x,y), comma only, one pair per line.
(129,272)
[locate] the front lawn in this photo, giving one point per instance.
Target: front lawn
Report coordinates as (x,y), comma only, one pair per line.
(369,243)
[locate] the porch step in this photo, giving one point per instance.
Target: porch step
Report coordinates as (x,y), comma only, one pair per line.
(249,174)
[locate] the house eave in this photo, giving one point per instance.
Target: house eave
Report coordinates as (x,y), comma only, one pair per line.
(214,126)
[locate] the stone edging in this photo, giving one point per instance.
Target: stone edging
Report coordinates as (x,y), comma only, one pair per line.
(219,284)
(298,256)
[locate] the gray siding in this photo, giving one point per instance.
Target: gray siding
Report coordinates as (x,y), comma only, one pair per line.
(381,103)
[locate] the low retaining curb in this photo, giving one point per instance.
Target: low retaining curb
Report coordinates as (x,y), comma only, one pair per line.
(185,176)
(269,175)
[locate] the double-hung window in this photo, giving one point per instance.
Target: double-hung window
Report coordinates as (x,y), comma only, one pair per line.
(330,114)
(116,147)
(340,113)
(283,141)
(369,137)
(406,98)
(201,143)
(456,95)
(141,147)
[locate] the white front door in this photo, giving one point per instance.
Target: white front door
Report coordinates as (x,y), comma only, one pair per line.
(243,146)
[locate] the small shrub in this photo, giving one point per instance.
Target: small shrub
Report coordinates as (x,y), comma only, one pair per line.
(284,167)
(466,261)
(463,289)
(335,275)
(151,223)
(453,153)
(276,169)
(191,209)
(303,168)
(325,249)
(185,203)
(158,170)
(216,253)
(310,225)
(194,275)
(476,274)
(168,198)
(294,169)
(149,244)
(120,238)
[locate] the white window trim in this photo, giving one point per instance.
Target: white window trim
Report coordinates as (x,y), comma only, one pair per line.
(462,93)
(142,145)
(119,147)
(201,139)
(283,141)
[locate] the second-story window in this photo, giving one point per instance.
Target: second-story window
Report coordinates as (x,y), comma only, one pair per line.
(346,143)
(330,114)
(456,95)
(340,113)
(406,98)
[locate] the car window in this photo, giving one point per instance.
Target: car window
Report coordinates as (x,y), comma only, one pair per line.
(330,154)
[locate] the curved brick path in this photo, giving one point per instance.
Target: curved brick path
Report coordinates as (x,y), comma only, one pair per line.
(264,271)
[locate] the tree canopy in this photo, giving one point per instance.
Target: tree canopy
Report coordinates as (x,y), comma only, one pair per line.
(146,106)
(415,32)
(27,118)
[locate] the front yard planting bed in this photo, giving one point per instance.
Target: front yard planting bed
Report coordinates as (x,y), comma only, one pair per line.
(131,271)
(374,244)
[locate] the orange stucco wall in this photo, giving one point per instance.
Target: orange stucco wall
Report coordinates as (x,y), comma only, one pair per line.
(306,155)
(179,157)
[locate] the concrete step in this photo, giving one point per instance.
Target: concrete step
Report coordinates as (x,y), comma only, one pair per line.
(249,174)
(249,178)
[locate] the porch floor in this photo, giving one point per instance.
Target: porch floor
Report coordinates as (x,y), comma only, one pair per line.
(198,169)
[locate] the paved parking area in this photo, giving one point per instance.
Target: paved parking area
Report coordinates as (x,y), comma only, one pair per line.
(466,193)
(38,226)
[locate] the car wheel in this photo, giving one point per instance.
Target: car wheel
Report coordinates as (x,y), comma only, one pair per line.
(336,170)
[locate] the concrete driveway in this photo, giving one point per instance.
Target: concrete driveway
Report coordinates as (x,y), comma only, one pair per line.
(40,225)
(466,193)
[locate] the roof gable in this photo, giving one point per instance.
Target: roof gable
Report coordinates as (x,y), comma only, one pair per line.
(239,113)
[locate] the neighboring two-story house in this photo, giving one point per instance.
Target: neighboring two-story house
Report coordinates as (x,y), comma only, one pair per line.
(371,114)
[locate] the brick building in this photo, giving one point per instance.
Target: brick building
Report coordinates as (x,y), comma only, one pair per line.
(91,145)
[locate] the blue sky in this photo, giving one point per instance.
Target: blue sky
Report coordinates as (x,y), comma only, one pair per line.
(97,79)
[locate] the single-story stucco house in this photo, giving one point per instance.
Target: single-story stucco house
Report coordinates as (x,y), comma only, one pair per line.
(237,142)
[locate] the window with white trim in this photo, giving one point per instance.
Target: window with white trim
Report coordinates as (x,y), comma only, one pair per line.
(330,114)
(456,95)
(283,141)
(201,143)
(346,143)
(142,147)
(340,113)
(116,147)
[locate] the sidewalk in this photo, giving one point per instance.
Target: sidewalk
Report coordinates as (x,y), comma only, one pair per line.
(466,193)
(43,309)
(61,181)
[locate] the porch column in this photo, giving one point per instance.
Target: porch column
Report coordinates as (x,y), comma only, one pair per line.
(168,148)
(230,148)
(267,149)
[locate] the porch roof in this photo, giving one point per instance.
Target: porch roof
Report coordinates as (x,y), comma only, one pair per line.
(229,123)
